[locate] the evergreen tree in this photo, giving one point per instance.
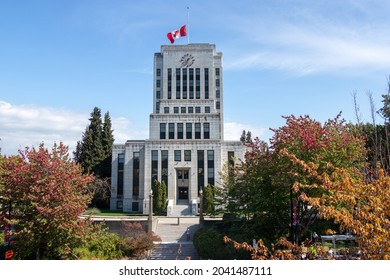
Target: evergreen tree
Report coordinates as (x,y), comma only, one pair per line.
(108,142)
(95,150)
(208,199)
(243,137)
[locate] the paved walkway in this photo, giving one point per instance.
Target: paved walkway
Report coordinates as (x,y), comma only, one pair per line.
(175,244)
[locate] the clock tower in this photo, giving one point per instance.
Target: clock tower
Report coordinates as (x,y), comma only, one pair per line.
(185,149)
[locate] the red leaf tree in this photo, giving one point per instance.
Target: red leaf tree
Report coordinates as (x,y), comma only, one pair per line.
(46,193)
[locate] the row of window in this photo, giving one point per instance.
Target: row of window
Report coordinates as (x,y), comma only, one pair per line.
(186,85)
(187,110)
(179,133)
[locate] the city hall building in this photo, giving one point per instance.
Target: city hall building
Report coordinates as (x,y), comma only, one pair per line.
(185,148)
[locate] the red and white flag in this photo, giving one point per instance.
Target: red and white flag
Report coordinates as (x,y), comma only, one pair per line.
(176,34)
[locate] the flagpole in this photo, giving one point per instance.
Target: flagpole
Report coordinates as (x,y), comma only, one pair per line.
(188,25)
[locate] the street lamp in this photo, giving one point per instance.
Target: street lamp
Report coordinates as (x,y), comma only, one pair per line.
(201,219)
(150,219)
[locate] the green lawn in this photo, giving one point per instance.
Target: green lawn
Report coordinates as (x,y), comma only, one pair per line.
(108,213)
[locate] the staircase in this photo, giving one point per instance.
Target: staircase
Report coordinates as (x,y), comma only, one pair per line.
(174,244)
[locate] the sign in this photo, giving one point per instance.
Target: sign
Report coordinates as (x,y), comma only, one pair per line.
(9,254)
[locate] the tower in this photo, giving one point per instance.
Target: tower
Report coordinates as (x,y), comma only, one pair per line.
(185,148)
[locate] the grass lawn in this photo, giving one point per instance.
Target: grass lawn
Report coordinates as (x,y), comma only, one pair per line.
(108,213)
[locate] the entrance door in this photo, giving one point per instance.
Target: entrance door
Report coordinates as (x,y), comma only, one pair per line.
(182,183)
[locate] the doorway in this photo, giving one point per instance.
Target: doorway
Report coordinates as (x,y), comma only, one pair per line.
(183,184)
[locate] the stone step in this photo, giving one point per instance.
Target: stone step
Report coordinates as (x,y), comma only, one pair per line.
(174,251)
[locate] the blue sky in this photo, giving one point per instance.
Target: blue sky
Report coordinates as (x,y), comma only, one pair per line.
(59,59)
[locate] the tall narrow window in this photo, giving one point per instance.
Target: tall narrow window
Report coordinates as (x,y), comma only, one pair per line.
(121,165)
(197,131)
(197,80)
(178,93)
(158,72)
(210,167)
(191,83)
(154,165)
(200,155)
(206,83)
(169,83)
(177,154)
(179,131)
(206,131)
(164,167)
(136,174)
(171,131)
(189,130)
(184,70)
(187,155)
(163,128)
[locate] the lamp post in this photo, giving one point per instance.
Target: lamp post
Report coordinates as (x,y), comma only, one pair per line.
(150,218)
(201,219)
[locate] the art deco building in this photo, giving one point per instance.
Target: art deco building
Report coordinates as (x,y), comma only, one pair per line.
(185,148)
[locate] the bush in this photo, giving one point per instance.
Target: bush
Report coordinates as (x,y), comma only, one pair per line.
(135,242)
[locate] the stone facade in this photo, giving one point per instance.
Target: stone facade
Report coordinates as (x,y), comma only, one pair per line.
(186,147)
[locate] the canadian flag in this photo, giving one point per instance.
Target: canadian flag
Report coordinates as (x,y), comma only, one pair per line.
(176,34)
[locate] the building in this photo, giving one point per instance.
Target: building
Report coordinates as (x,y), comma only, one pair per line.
(185,148)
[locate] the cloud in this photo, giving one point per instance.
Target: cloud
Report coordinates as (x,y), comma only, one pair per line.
(233,130)
(31,125)
(311,39)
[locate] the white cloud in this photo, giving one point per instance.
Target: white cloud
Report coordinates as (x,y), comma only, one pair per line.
(233,131)
(30,125)
(306,40)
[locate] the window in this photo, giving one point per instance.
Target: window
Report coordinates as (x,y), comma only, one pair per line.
(191,83)
(157,107)
(218,105)
(158,83)
(166,110)
(190,110)
(177,155)
(135,206)
(178,93)
(206,83)
(179,131)
(171,131)
(189,130)
(206,130)
(210,167)
(197,110)
(216,71)
(184,83)
(207,109)
(164,167)
(197,80)
(217,83)
(231,158)
(158,72)
(218,93)
(200,154)
(163,127)
(197,130)
(154,165)
(187,155)
(119,204)
(176,110)
(169,83)
(121,163)
(136,174)
(158,94)
(183,110)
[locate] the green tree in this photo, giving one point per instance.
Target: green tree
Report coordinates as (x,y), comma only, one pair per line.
(94,152)
(159,197)
(47,193)
(208,200)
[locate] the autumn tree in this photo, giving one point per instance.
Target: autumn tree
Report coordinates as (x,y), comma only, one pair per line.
(47,193)
(357,205)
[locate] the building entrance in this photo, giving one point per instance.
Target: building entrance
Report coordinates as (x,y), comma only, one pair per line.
(183,184)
